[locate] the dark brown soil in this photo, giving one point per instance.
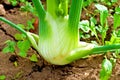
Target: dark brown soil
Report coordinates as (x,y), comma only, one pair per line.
(83,69)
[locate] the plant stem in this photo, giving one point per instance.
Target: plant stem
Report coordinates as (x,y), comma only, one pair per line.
(13,25)
(52,6)
(75,13)
(105,48)
(74,18)
(86,51)
(41,14)
(39,8)
(64,7)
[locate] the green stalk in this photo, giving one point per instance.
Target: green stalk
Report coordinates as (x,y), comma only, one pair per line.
(64,7)
(105,48)
(90,50)
(52,6)
(43,29)
(74,17)
(39,8)
(57,8)
(13,25)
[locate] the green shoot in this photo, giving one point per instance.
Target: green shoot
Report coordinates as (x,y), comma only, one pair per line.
(15,64)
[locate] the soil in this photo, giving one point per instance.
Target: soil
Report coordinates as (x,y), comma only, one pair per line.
(83,69)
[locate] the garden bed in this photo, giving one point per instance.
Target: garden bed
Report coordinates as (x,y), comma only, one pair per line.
(83,69)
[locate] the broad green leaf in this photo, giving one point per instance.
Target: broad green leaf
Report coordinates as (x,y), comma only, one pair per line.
(103,13)
(117,9)
(103,17)
(10,47)
(23,47)
(19,36)
(106,70)
(84,25)
(22,54)
(101,8)
(116,18)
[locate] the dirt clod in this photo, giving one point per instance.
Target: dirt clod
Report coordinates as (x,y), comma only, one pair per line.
(13,58)
(2,10)
(36,68)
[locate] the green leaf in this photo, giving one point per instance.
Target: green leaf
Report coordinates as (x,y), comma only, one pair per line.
(92,26)
(21,25)
(10,47)
(113,61)
(34,58)
(2,77)
(117,10)
(19,36)
(103,13)
(30,25)
(23,47)
(114,1)
(106,70)
(22,0)
(22,54)
(101,8)
(116,18)
(84,25)
(27,7)
(13,2)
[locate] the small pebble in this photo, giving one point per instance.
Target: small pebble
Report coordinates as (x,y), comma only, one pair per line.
(2,10)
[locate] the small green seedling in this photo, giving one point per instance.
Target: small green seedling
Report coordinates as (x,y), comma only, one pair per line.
(103,27)
(109,2)
(2,77)
(15,2)
(23,47)
(89,26)
(10,47)
(58,38)
(106,70)
(34,58)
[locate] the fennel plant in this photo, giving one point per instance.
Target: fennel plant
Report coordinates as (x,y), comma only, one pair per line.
(58,38)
